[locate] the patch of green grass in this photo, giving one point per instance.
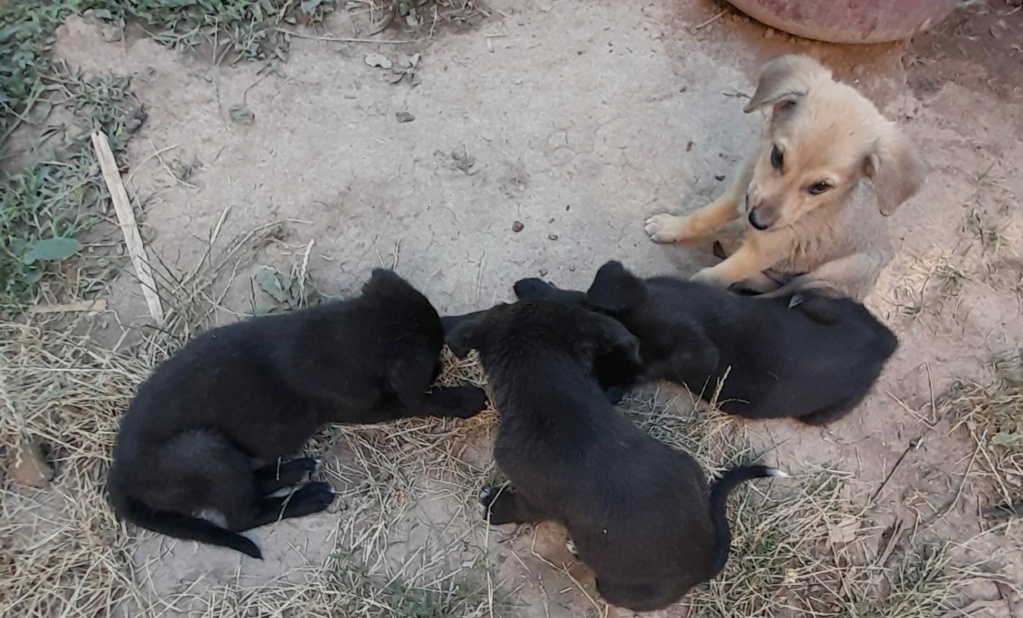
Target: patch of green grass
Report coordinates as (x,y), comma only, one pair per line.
(56,197)
(52,200)
(249,28)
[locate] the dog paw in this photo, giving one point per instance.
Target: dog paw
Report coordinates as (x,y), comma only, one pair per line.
(614,394)
(308,465)
(311,498)
(667,228)
(489,500)
(531,289)
(707,276)
(465,401)
(488,494)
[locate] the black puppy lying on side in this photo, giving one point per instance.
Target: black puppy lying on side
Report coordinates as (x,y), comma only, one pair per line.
(240,396)
(810,357)
(639,513)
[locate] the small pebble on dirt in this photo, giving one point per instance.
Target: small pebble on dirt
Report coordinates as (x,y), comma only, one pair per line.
(376,60)
(29,467)
(136,119)
(543,272)
(552,236)
(404,117)
(517,227)
(240,114)
(719,177)
(112,33)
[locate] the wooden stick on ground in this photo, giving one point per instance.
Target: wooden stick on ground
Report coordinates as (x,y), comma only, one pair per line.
(130,229)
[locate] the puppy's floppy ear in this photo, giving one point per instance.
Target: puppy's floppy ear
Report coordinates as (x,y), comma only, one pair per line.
(615,289)
(410,374)
(895,167)
(784,82)
(614,338)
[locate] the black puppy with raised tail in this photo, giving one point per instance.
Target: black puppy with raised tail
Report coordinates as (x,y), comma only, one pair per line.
(639,513)
(806,356)
(188,455)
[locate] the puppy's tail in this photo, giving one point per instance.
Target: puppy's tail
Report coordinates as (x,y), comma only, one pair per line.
(719,506)
(185,527)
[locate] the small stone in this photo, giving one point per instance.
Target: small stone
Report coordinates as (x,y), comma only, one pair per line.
(112,33)
(136,119)
(404,117)
(543,272)
(517,227)
(552,236)
(29,467)
(719,177)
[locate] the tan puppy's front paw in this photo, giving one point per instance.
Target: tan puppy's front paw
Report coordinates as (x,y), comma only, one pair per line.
(710,276)
(667,228)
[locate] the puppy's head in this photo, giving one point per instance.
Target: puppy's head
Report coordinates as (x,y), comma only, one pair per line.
(824,137)
(513,330)
(616,290)
(413,333)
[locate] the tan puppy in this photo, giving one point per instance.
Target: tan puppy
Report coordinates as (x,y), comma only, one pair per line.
(808,215)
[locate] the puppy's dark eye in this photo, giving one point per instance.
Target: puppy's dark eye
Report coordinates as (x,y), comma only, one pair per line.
(777,158)
(818,188)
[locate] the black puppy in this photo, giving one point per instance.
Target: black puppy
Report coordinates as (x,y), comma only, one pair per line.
(806,356)
(639,513)
(249,393)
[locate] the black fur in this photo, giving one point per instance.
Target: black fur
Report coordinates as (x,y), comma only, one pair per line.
(639,512)
(806,356)
(255,391)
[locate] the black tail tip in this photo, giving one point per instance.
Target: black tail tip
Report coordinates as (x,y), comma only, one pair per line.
(253,552)
(248,548)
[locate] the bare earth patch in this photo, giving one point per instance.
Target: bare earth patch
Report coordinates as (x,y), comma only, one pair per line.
(524,139)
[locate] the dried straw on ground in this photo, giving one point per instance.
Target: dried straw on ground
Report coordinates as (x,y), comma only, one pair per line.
(800,548)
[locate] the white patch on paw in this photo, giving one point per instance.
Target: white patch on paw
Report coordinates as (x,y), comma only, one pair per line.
(484,500)
(282,492)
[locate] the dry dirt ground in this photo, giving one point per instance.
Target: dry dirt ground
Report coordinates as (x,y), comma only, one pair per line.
(578,120)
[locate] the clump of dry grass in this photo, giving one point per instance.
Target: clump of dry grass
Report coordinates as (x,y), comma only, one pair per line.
(805,552)
(991,412)
(62,553)
(407,539)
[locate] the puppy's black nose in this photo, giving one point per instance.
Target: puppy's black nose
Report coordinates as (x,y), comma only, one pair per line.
(755,221)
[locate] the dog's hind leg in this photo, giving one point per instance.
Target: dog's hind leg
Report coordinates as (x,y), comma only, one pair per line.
(312,498)
(277,476)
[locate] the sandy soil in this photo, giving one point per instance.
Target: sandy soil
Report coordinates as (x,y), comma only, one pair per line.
(577,120)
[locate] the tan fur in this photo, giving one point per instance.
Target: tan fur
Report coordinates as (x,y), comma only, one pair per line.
(828,134)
